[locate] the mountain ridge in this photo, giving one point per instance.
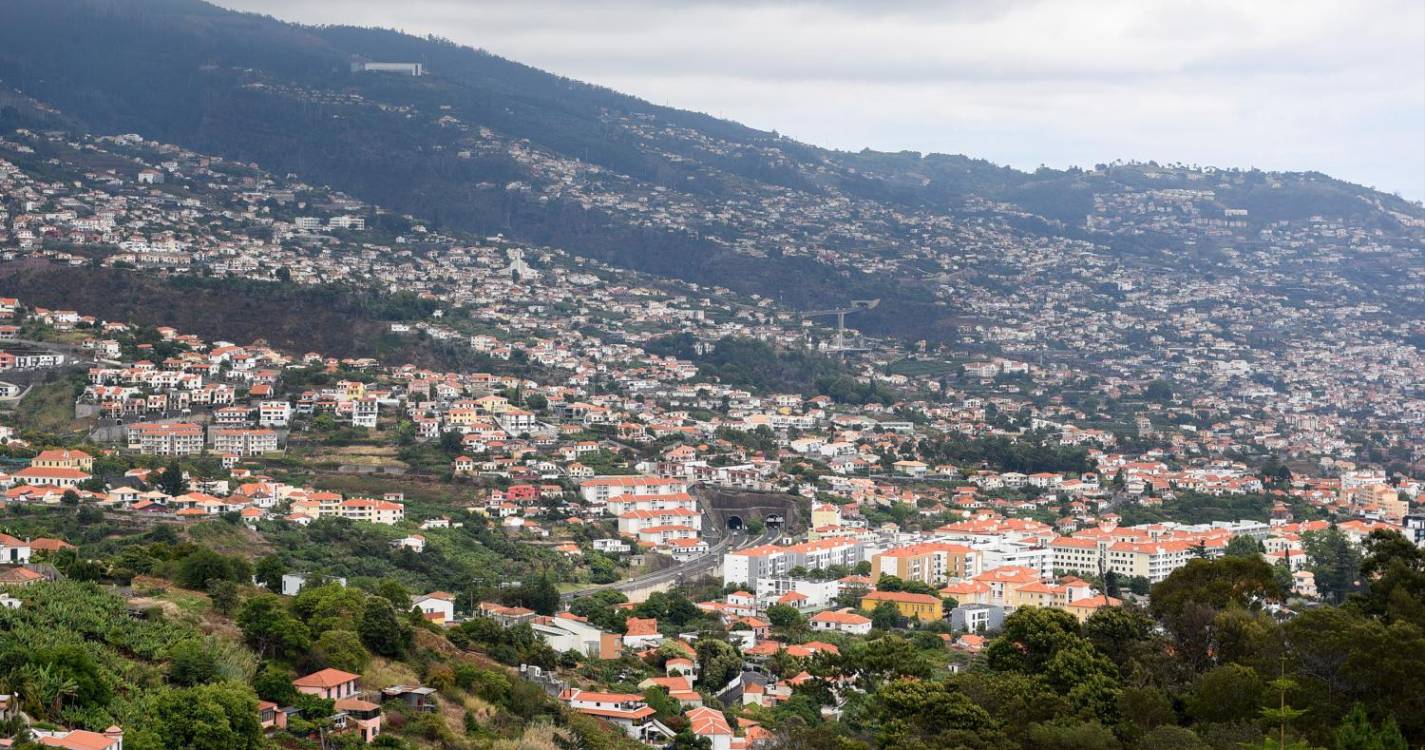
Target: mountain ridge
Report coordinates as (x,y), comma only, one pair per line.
(489,145)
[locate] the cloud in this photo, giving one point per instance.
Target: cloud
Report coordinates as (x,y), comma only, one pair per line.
(1280,84)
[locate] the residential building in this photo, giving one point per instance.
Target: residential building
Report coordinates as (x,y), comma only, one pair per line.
(921,607)
(931,563)
(166,438)
(332,684)
(437,606)
(842,621)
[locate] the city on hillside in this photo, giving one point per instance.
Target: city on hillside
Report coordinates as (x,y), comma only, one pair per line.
(374,391)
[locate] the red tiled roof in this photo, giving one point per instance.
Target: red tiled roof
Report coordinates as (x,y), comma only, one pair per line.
(326,678)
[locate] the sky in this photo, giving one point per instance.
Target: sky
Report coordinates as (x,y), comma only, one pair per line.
(1337,87)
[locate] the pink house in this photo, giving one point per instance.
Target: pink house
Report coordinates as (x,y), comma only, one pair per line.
(361,716)
(332,684)
(81,739)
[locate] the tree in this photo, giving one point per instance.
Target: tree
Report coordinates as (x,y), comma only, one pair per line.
(1169,737)
(1281,714)
(1110,584)
(221,716)
(1243,546)
(1393,571)
(269,571)
(888,582)
(920,714)
(1282,574)
(90,516)
(1071,735)
(452,442)
(270,629)
(341,649)
(669,607)
(225,596)
(192,662)
(886,658)
(204,566)
(171,480)
(1160,391)
(601,609)
(1088,679)
(329,606)
(57,677)
(886,616)
(1334,560)
(274,683)
(783,616)
(1031,637)
(1225,694)
(394,592)
(1146,708)
(540,594)
(686,740)
(1356,732)
(380,630)
(718,663)
(660,701)
(1119,632)
(1188,600)
(1391,738)
(1341,656)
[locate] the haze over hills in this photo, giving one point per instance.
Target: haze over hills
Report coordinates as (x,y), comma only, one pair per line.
(487,145)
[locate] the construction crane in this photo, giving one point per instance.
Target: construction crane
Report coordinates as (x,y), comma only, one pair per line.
(857,305)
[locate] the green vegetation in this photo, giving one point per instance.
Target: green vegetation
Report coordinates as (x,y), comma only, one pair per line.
(749,363)
(48,407)
(1198,507)
(81,656)
(1218,673)
(1028,455)
(332,319)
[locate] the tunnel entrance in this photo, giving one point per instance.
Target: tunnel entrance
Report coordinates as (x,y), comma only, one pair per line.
(734,523)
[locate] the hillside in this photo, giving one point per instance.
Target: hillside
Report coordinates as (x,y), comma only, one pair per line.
(342,321)
(487,145)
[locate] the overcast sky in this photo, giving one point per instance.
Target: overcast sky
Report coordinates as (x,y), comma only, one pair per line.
(1277,84)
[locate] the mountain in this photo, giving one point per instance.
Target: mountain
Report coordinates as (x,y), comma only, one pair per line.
(487,145)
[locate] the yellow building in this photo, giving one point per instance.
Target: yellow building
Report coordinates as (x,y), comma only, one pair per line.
(1083,609)
(931,563)
(63,459)
(922,607)
(1384,497)
(825,514)
(493,404)
(351,390)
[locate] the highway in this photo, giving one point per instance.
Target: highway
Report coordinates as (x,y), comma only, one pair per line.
(682,571)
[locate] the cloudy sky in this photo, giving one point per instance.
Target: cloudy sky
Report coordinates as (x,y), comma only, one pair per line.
(1277,84)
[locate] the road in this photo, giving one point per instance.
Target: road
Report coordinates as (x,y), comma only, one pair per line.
(684,570)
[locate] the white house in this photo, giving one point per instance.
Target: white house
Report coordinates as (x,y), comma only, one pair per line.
(842,621)
(14,551)
(293,583)
(437,606)
(414,542)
